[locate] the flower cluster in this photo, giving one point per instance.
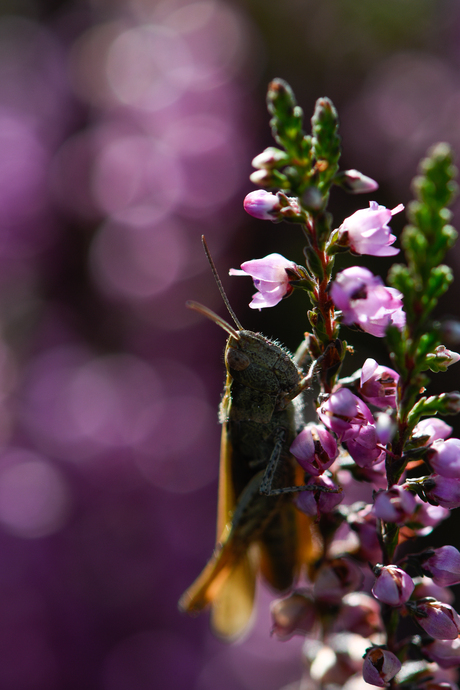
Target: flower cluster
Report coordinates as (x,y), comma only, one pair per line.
(380,467)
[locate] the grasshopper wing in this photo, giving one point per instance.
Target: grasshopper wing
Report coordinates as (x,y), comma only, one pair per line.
(228,580)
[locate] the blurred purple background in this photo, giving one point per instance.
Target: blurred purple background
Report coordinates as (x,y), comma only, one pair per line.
(127,128)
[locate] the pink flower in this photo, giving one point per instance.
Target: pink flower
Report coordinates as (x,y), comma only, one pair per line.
(344,414)
(378,384)
(359,613)
(393,586)
(442,491)
(380,666)
(365,301)
(261,204)
(436,618)
(395,505)
(427,516)
(432,427)
(425,587)
(355,182)
(367,230)
(442,564)
(315,449)
(445,653)
(271,278)
(337,578)
(444,457)
(316,502)
(293,614)
(364,448)
(364,523)
(442,358)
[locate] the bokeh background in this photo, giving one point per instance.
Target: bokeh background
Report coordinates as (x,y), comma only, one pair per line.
(127,128)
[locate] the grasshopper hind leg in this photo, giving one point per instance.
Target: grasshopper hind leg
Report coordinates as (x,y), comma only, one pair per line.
(274,470)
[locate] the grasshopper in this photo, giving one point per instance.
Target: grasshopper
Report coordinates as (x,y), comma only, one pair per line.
(258,526)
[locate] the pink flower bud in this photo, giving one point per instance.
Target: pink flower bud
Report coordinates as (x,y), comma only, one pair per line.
(380,666)
(367,230)
(445,653)
(359,613)
(395,505)
(442,491)
(261,204)
(427,516)
(295,614)
(315,503)
(374,474)
(271,276)
(442,358)
(315,449)
(337,578)
(393,586)
(355,182)
(444,457)
(378,384)
(385,427)
(271,157)
(364,448)
(365,301)
(425,587)
(442,564)
(432,427)
(364,523)
(438,619)
(344,414)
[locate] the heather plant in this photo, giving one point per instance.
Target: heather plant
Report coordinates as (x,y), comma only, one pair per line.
(370,608)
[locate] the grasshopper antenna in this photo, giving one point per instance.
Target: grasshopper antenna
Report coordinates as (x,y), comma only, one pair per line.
(219,284)
(201,309)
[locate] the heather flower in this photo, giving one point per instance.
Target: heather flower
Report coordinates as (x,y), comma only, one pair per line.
(293,614)
(364,448)
(375,474)
(336,578)
(378,384)
(442,358)
(442,491)
(428,516)
(333,663)
(344,414)
(355,182)
(271,276)
(444,457)
(316,502)
(425,587)
(359,613)
(367,230)
(261,204)
(315,449)
(385,426)
(445,653)
(393,586)
(365,301)
(270,158)
(442,564)
(380,666)
(395,505)
(436,618)
(434,428)
(363,522)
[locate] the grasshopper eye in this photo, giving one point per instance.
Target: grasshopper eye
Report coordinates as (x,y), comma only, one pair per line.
(236,359)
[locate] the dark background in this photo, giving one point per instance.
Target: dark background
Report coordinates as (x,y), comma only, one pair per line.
(126,131)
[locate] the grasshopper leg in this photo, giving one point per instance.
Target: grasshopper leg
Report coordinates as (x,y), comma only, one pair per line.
(272,470)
